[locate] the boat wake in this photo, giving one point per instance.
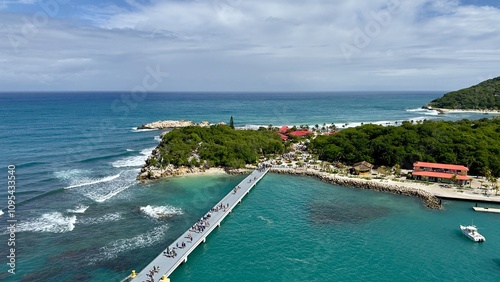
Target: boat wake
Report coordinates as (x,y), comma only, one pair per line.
(158,212)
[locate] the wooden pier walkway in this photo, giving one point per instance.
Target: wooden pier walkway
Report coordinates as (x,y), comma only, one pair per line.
(166,264)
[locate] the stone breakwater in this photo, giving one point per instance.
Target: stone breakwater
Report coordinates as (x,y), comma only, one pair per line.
(428,198)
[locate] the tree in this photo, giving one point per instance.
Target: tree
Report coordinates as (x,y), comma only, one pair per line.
(231,122)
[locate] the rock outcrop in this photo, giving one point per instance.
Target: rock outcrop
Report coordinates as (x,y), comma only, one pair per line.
(428,198)
(164,124)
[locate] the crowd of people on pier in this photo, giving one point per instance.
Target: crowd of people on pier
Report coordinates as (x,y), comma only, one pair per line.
(151,274)
(200,226)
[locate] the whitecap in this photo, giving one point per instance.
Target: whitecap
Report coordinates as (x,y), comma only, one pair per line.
(1,212)
(103,191)
(112,250)
(134,161)
(130,150)
(71,174)
(78,209)
(90,181)
(135,129)
(54,222)
(158,212)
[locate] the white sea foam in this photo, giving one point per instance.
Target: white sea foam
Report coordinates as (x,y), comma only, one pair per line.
(135,129)
(158,212)
(130,150)
(88,181)
(133,161)
(78,209)
(1,212)
(103,191)
(149,238)
(110,217)
(54,222)
(71,174)
(157,138)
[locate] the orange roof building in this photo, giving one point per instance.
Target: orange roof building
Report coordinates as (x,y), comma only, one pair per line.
(440,172)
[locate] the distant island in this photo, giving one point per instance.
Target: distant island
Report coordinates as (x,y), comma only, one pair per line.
(483,97)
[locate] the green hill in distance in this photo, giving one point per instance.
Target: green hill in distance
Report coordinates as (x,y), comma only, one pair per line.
(483,96)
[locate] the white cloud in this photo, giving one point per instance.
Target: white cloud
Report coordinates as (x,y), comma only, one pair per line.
(258,45)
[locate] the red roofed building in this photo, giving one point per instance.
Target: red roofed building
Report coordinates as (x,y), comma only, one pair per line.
(283,129)
(440,172)
(300,133)
(283,136)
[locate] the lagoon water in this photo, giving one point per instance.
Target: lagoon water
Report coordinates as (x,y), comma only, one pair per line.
(83,217)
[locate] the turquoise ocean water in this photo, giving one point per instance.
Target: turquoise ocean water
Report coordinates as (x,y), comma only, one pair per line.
(83,217)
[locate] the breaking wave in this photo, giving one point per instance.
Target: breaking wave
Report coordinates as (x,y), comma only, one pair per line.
(133,161)
(80,209)
(54,222)
(92,181)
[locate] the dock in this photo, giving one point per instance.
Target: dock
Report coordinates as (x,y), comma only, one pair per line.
(481,209)
(175,254)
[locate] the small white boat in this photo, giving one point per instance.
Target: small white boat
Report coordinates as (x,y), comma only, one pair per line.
(471,232)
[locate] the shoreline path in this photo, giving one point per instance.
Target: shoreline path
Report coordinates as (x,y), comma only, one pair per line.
(177,252)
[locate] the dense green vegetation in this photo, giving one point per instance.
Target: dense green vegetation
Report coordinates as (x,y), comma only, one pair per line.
(475,144)
(218,145)
(483,96)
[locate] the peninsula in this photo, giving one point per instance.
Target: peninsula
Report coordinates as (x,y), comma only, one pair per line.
(481,98)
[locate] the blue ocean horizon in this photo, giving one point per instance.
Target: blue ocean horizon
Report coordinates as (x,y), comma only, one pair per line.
(83,216)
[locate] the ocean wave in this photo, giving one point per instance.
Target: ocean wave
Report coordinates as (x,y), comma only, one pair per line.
(130,150)
(78,209)
(133,161)
(94,181)
(71,174)
(112,250)
(110,217)
(135,129)
(1,212)
(54,222)
(158,212)
(103,191)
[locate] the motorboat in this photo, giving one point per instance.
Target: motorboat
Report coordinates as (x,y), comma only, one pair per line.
(471,232)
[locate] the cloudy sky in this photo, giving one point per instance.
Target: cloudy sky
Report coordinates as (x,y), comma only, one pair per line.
(248,45)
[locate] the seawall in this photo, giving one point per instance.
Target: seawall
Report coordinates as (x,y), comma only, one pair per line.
(428,198)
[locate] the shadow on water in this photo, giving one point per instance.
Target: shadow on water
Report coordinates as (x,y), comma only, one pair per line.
(342,213)
(497,261)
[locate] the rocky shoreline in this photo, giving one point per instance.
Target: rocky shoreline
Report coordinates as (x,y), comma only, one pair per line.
(168,124)
(428,198)
(153,173)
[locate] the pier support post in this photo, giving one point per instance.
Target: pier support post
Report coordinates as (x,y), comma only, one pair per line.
(185,259)
(204,239)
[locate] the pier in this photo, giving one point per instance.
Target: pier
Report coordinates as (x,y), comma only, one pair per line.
(192,238)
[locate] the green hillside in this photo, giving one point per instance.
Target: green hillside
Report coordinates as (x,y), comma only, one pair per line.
(483,96)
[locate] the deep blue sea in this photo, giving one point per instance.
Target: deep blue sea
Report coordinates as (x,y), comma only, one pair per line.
(82,216)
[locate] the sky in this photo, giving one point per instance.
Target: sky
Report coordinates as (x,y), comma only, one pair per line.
(247,45)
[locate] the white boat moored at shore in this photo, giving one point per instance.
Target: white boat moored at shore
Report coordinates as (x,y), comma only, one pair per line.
(471,232)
